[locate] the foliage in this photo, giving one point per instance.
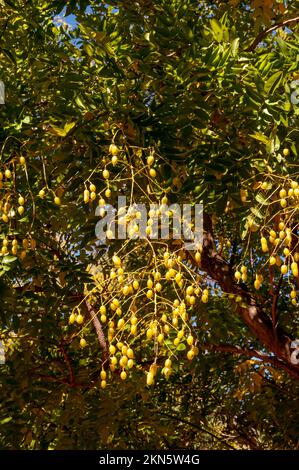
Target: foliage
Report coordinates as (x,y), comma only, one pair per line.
(163,102)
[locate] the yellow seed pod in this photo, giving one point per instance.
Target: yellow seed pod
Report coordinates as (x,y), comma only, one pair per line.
(79,319)
(86,195)
(150,378)
(149,333)
(114,160)
(150,160)
(158,287)
(257,284)
(116,260)
(149,294)
(294,268)
(123,361)
(108,193)
(160,338)
(284,269)
(190,355)
(106,174)
(120,323)
(130,353)
(153,173)
(134,330)
(83,343)
(123,375)
(113,360)
(190,340)
(103,384)
(282,193)
(113,149)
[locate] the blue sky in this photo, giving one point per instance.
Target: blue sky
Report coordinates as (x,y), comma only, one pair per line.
(70,19)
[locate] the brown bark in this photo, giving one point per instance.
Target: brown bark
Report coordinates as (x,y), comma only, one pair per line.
(98,327)
(275,340)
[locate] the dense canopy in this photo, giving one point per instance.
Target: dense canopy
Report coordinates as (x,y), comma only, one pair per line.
(144,342)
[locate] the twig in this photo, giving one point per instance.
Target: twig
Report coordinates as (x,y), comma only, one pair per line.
(252,353)
(264,33)
(199,428)
(71,370)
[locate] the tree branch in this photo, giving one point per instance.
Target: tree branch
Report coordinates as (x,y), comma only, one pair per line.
(199,428)
(253,315)
(71,371)
(252,353)
(98,327)
(264,33)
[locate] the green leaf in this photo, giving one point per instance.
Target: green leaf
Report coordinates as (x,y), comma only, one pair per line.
(256,212)
(9,259)
(68,127)
(79,102)
(261,199)
(261,137)
(217,29)
(273,82)
(235,46)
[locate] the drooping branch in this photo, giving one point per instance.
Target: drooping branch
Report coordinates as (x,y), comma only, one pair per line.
(275,340)
(226,348)
(264,33)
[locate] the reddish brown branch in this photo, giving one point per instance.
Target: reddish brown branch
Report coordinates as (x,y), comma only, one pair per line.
(253,315)
(274,307)
(252,353)
(69,365)
(264,33)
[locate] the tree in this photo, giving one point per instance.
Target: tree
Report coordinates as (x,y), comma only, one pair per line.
(161,102)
